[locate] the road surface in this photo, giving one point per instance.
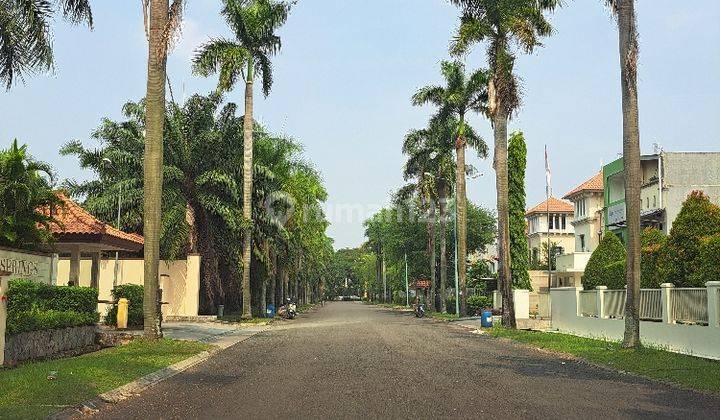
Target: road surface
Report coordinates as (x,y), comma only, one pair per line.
(350,360)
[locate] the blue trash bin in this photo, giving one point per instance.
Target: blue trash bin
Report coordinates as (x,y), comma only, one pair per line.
(486,320)
(270,311)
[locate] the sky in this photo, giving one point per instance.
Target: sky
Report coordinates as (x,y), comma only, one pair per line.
(347,69)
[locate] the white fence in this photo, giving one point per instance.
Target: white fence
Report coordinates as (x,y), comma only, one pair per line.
(678,319)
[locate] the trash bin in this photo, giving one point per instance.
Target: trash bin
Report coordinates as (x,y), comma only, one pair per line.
(486,321)
(270,312)
(221,311)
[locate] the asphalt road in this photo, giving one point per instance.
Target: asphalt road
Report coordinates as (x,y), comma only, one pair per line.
(350,360)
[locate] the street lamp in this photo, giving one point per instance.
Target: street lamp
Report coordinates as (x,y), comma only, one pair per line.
(117,252)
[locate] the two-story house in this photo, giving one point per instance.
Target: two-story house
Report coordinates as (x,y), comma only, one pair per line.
(558,227)
(667,179)
(588,201)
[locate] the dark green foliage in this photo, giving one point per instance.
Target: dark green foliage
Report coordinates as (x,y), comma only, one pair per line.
(653,244)
(477,303)
(707,264)
(519,254)
(598,271)
(35,306)
(698,218)
(134,294)
(613,275)
(24,188)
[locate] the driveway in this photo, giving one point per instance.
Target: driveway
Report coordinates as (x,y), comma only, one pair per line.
(350,360)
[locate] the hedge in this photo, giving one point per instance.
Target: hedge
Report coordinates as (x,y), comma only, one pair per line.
(134,293)
(601,269)
(707,264)
(36,306)
(653,243)
(477,303)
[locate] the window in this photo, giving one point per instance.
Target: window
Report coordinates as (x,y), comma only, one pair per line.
(654,201)
(564,221)
(647,202)
(582,242)
(580,208)
(550,222)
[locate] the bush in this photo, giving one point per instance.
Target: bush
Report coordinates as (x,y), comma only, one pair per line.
(598,271)
(134,293)
(707,264)
(35,306)
(653,243)
(477,303)
(699,218)
(614,275)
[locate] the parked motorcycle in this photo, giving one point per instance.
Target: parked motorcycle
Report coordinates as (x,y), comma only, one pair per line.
(289,310)
(419,310)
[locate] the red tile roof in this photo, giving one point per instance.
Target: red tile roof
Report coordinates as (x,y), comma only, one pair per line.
(555,206)
(73,220)
(593,184)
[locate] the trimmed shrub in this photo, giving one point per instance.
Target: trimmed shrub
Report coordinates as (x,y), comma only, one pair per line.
(134,293)
(598,271)
(35,306)
(477,303)
(699,218)
(614,275)
(707,264)
(653,243)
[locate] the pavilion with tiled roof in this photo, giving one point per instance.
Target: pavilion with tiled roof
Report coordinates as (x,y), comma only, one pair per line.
(78,232)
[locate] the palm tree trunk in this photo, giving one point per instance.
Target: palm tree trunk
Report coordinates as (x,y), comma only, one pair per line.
(503,208)
(153,165)
(442,198)
(461,206)
(631,160)
(273,280)
(433,256)
(247,190)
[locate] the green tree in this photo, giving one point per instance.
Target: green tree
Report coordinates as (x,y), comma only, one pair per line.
(706,263)
(254,24)
(25,190)
(698,219)
(499,23)
(653,246)
(461,95)
(599,270)
(519,252)
(26,35)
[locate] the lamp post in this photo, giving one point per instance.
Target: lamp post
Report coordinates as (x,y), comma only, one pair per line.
(116,270)
(407,285)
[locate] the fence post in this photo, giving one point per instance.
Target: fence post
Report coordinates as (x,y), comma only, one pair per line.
(3,313)
(600,300)
(713,300)
(665,291)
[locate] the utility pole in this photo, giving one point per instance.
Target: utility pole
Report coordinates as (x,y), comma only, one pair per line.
(407,285)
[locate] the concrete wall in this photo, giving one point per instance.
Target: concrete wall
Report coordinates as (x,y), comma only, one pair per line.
(179,280)
(685,172)
(697,340)
(34,266)
(521,301)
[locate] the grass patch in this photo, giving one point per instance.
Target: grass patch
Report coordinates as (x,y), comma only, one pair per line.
(688,371)
(25,391)
(442,316)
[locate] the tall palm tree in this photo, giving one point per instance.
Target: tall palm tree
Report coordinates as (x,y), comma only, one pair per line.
(628,46)
(500,23)
(253,23)
(26,36)
(432,165)
(461,95)
(163,22)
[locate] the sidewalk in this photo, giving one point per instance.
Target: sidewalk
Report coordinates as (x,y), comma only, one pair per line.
(214,333)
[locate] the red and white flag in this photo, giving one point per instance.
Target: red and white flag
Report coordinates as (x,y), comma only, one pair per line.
(548,174)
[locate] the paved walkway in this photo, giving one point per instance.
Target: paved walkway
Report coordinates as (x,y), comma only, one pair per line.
(349,360)
(215,333)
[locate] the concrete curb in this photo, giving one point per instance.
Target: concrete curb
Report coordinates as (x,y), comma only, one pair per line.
(138,385)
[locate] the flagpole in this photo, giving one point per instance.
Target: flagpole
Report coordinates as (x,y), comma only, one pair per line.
(547,211)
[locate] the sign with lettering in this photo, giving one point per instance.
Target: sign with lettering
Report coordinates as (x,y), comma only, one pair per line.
(28,265)
(616,213)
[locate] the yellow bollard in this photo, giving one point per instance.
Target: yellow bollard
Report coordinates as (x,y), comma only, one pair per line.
(122,314)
